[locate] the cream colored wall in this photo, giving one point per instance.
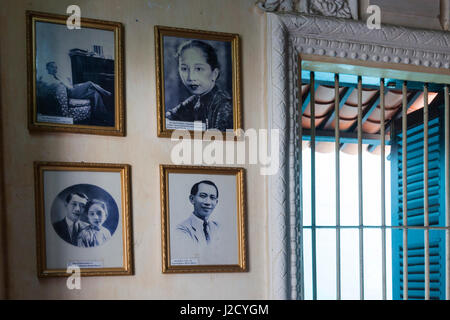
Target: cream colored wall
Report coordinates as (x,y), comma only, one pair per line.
(140,148)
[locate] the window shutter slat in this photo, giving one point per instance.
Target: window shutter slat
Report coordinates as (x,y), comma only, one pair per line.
(415,203)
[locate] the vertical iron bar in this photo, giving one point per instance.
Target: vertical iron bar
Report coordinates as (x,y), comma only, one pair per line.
(301,277)
(383,194)
(337,169)
(360,192)
(425,193)
(447,192)
(405,191)
(313,185)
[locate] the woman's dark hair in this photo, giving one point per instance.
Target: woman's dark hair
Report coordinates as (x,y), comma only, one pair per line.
(208,50)
(99,202)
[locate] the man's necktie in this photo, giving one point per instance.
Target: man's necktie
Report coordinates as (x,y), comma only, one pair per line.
(75,232)
(206,230)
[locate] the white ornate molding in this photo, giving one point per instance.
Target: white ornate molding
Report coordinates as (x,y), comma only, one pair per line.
(352,39)
(288,36)
(331,8)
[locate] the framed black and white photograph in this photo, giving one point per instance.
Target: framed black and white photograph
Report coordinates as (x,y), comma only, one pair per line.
(197,80)
(83,218)
(203,219)
(75,76)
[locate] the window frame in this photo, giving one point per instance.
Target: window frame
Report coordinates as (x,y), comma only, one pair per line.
(291,38)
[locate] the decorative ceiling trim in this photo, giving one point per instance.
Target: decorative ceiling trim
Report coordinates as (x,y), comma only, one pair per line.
(340,38)
(347,9)
(288,37)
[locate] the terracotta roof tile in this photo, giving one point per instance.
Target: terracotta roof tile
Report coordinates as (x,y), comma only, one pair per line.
(324,112)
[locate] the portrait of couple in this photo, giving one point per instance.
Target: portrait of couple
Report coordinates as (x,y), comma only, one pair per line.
(199,81)
(84,219)
(83,213)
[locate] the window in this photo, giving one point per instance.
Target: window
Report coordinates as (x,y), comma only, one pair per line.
(293,39)
(352,238)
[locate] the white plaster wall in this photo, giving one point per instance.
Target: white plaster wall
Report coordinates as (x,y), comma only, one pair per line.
(140,148)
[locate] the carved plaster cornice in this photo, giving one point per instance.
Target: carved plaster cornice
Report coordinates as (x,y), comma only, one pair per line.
(288,36)
(347,9)
(354,40)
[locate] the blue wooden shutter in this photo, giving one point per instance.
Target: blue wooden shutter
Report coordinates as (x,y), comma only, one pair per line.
(415,200)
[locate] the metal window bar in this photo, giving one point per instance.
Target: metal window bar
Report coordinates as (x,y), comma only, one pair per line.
(375,227)
(383,190)
(360,194)
(447,192)
(425,193)
(405,194)
(337,170)
(300,270)
(313,186)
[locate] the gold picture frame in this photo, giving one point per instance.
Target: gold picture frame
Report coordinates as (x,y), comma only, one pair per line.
(186,246)
(75,76)
(184,93)
(64,190)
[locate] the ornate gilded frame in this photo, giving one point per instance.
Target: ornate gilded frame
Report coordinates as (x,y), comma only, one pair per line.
(125,173)
(119,80)
(160,32)
(239,174)
(290,38)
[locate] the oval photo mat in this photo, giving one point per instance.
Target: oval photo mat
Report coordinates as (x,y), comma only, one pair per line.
(58,210)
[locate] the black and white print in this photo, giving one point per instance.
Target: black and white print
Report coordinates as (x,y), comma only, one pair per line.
(83,218)
(75,75)
(203,219)
(84,215)
(198,84)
